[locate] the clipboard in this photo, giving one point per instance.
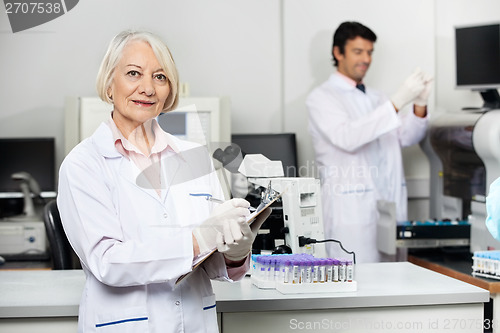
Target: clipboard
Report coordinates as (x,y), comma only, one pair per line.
(251,218)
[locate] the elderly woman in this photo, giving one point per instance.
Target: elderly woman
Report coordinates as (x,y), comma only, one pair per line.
(126,203)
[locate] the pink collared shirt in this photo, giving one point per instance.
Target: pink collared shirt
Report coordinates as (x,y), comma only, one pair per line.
(150,165)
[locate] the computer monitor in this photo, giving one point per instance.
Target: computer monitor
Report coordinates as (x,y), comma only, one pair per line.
(35,156)
(276,147)
(477,55)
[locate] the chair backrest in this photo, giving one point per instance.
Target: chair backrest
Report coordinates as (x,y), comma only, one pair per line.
(60,249)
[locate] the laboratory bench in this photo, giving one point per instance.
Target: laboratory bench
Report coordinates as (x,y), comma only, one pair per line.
(457,263)
(400,297)
(454,263)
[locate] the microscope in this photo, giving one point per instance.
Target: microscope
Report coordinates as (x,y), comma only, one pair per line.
(298,212)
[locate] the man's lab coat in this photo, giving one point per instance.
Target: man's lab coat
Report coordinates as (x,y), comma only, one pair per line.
(357,139)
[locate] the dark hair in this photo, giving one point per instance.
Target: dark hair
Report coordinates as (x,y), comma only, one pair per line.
(350,30)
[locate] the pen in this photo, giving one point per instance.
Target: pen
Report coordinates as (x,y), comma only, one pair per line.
(209,197)
(215,200)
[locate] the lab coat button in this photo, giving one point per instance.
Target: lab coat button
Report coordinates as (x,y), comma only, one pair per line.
(177,303)
(165,215)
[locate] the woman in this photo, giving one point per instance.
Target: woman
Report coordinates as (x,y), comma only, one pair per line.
(131,221)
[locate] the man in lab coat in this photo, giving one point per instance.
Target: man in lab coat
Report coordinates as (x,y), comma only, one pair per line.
(357,135)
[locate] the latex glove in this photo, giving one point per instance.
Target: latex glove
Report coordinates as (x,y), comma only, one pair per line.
(421,99)
(237,249)
(493,209)
(226,219)
(409,90)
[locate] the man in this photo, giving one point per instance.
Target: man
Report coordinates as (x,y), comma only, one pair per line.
(357,134)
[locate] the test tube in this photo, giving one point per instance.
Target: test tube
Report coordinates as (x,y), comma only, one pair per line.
(262,267)
(315,270)
(270,269)
(302,266)
(322,271)
(342,270)
(277,268)
(329,270)
(296,272)
(335,266)
(349,271)
(497,264)
(309,268)
(287,271)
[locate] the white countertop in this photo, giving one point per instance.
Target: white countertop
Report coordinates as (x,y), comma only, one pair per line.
(40,293)
(57,293)
(380,284)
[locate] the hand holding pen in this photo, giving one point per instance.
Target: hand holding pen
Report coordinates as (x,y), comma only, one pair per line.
(228,219)
(227,229)
(209,197)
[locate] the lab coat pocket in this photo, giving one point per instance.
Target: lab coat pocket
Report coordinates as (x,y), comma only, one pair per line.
(210,314)
(358,208)
(124,320)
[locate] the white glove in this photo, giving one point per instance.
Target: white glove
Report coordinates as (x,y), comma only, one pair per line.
(225,219)
(237,249)
(409,90)
(421,99)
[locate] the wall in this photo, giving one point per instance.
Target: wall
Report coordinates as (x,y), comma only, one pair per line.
(221,47)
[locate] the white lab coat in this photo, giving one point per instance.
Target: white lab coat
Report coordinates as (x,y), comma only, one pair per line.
(133,245)
(357,140)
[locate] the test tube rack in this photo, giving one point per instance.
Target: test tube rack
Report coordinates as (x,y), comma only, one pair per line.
(486,264)
(317,275)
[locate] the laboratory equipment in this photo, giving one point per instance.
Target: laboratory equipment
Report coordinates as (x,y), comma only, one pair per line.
(27,176)
(279,152)
(23,236)
(23,240)
(29,186)
(430,233)
(458,174)
(463,147)
(395,237)
(477,54)
(299,213)
(464,153)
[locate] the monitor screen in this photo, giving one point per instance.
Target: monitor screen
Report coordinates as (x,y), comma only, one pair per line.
(276,147)
(188,125)
(477,51)
(35,156)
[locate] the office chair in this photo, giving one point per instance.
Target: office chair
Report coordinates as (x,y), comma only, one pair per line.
(60,249)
